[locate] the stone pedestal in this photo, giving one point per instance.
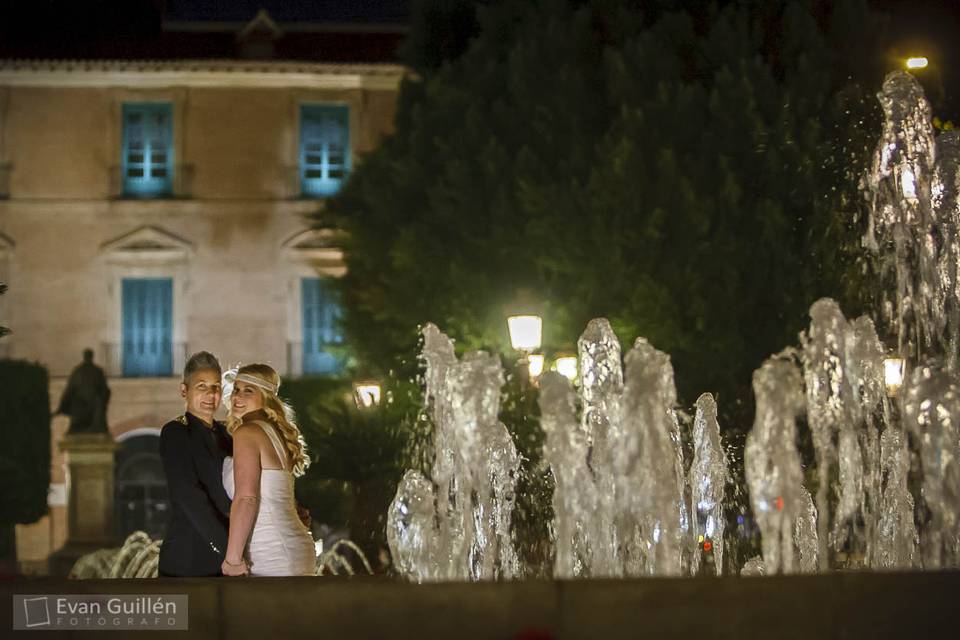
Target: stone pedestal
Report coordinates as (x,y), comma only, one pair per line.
(89,467)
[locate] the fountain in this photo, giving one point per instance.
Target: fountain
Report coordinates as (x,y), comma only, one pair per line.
(456,525)
(625,501)
(139,557)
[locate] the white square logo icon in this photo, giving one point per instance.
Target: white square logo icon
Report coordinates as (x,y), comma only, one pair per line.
(36,611)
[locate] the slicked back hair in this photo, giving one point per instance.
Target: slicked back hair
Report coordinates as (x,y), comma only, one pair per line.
(201,361)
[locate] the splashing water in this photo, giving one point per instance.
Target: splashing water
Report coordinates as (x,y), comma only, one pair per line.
(708,479)
(913,223)
(623,503)
(456,526)
(566,450)
(601,388)
(651,485)
(931,413)
(772,462)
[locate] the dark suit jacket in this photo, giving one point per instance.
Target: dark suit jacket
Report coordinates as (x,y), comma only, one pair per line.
(196,539)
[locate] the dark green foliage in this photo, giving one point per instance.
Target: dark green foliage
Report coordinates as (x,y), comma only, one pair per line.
(689,174)
(357,456)
(25,433)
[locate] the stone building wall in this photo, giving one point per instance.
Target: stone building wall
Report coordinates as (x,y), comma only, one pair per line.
(234,235)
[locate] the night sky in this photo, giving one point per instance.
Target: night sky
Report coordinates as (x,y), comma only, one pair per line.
(66,28)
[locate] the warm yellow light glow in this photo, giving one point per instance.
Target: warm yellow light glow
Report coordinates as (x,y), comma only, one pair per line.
(566,366)
(535,364)
(525,332)
(917,63)
(893,374)
(367,394)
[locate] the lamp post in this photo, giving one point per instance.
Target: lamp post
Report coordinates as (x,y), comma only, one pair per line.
(526,335)
(366,394)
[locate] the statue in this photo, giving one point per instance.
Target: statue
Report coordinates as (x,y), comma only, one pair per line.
(85,398)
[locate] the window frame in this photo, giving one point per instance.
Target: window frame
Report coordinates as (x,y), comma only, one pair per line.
(151,187)
(164,369)
(338,365)
(323,187)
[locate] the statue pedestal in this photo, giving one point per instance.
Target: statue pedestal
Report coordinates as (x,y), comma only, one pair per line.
(89,460)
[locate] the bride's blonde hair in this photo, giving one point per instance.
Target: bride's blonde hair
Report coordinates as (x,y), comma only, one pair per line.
(279,413)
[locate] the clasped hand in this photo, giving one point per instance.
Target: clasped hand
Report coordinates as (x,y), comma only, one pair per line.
(235,569)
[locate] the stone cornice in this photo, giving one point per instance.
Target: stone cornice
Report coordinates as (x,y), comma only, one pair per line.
(199,73)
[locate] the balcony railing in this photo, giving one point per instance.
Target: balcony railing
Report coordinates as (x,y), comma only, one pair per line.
(182,184)
(294,185)
(112,358)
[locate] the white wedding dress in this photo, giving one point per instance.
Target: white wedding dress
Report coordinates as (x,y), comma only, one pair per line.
(280,544)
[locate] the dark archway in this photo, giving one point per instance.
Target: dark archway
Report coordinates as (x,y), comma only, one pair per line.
(140,488)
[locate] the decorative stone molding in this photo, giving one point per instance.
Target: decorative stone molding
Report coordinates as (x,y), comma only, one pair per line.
(317,249)
(147,245)
(200,73)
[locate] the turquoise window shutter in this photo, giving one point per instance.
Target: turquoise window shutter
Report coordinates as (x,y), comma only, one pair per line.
(324,149)
(147,162)
(321,315)
(147,327)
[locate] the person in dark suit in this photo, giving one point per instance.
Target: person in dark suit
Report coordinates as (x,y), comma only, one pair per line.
(192,448)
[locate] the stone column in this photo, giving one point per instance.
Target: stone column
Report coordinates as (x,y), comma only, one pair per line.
(89,460)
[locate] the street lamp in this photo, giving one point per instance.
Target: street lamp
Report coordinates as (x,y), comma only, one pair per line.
(366,394)
(566,366)
(917,63)
(526,332)
(893,370)
(535,365)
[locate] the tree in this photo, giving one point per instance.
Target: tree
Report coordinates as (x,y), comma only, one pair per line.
(689,173)
(25,458)
(357,455)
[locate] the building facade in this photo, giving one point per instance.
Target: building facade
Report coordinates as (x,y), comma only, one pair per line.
(152,209)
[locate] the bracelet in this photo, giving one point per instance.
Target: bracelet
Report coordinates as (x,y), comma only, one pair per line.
(234,564)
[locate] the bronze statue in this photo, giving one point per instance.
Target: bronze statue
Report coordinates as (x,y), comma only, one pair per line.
(85,398)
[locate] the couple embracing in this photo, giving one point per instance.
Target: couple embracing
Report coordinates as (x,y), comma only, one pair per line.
(231,485)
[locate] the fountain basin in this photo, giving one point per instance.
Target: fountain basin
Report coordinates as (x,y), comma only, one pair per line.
(837,605)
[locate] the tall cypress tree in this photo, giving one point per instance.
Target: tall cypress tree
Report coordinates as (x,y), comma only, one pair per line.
(689,173)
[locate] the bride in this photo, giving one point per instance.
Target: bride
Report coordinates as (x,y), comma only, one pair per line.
(266,536)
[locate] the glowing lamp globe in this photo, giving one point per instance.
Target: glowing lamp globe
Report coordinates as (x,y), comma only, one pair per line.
(566,366)
(526,332)
(367,394)
(893,370)
(917,63)
(535,365)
